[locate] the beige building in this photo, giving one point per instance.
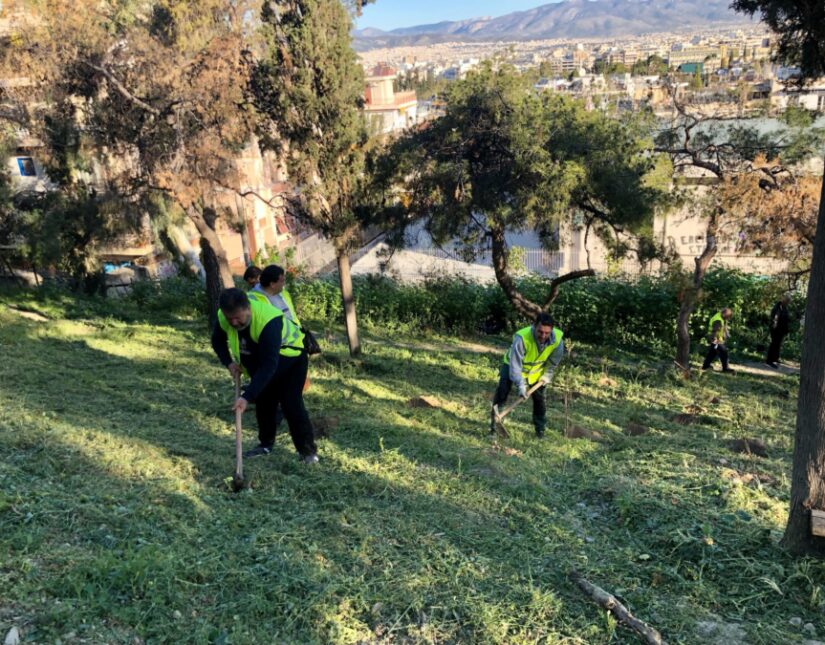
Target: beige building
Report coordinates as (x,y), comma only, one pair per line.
(710,56)
(387,110)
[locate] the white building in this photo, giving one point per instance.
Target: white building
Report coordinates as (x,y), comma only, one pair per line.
(810,97)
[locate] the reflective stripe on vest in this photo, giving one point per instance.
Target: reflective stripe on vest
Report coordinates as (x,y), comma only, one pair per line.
(263,297)
(533,365)
(720,337)
(292,338)
(288,300)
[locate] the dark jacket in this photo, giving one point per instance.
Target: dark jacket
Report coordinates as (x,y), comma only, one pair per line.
(779,318)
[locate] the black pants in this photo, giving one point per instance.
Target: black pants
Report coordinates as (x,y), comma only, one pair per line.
(776,344)
(503,391)
(286,391)
(713,351)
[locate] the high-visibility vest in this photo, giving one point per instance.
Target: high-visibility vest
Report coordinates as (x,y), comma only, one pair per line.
(534,362)
(723,330)
(263,297)
(292,338)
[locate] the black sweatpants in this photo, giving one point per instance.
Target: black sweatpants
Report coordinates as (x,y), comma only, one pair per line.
(286,391)
(713,351)
(538,397)
(776,345)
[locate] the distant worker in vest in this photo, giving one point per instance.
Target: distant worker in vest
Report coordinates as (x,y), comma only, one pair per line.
(534,355)
(251,276)
(718,335)
(779,329)
(253,337)
(271,286)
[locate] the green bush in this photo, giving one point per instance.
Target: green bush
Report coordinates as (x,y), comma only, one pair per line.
(178,296)
(638,313)
(620,311)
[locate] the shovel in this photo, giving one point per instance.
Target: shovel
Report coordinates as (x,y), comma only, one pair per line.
(499,415)
(238,483)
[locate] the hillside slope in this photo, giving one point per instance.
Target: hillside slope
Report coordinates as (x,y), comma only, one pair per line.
(116,524)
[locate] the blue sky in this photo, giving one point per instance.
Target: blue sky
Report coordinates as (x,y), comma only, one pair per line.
(391,14)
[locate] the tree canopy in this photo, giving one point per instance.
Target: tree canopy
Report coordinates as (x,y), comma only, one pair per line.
(505,159)
(308,89)
(139,98)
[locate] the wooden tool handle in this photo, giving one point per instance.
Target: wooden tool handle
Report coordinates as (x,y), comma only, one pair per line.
(238,433)
(518,401)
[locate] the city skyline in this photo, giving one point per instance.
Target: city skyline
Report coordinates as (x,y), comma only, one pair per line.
(392,14)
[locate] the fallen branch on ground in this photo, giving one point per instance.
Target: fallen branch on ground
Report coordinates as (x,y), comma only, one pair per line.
(609,602)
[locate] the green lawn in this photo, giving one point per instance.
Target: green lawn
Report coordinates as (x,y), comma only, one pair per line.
(116,523)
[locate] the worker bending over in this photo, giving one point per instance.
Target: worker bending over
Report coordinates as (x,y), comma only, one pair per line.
(536,351)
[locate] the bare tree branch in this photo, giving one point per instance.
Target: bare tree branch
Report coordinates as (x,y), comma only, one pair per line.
(122,89)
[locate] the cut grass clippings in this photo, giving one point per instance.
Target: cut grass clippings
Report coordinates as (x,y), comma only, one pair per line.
(116,525)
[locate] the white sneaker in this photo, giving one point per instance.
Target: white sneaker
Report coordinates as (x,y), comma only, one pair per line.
(309,459)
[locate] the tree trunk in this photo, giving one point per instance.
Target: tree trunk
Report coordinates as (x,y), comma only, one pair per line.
(691,295)
(243,229)
(560,280)
(808,478)
(524,306)
(213,285)
(348,301)
(215,264)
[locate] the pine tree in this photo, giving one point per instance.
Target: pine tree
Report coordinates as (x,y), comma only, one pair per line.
(308,87)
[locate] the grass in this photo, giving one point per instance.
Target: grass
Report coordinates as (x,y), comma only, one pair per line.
(117,526)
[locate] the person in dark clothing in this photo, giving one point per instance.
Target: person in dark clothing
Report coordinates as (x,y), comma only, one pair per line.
(779,329)
(252,276)
(255,337)
(718,335)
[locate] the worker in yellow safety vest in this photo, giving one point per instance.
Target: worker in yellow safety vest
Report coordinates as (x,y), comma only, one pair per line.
(254,337)
(272,286)
(718,335)
(534,354)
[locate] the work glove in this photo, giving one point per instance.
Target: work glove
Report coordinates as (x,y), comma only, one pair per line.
(522,390)
(546,378)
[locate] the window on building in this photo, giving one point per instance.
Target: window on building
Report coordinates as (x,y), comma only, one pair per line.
(26,167)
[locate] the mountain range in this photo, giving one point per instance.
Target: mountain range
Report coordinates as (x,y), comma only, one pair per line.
(567,19)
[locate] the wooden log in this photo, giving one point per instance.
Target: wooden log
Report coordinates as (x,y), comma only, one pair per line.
(818,523)
(609,602)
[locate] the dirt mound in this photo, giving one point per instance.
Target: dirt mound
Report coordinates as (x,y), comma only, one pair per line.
(634,429)
(425,402)
(749,447)
(685,419)
(324,426)
(578,432)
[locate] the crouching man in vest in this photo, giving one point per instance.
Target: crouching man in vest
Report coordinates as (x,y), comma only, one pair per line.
(254,337)
(534,354)
(718,335)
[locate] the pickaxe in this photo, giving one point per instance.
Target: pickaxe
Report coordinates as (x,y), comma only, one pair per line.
(499,415)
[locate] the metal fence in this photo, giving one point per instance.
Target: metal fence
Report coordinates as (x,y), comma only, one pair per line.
(535,260)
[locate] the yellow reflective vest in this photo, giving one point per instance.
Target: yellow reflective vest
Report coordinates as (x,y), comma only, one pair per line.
(534,362)
(722,335)
(261,296)
(292,338)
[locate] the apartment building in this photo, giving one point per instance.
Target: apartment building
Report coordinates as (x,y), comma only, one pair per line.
(388,110)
